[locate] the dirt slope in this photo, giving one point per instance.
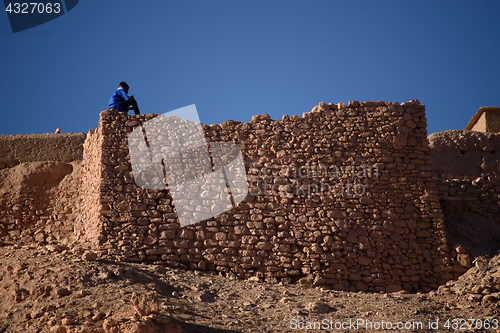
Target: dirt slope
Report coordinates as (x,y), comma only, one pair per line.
(51,289)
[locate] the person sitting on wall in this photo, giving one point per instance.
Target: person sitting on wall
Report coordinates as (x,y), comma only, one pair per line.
(121,101)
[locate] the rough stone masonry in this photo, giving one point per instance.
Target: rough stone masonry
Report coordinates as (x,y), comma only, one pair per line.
(344,196)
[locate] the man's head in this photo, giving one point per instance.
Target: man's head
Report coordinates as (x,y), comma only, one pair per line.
(125,86)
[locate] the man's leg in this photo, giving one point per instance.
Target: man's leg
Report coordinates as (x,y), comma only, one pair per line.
(133,106)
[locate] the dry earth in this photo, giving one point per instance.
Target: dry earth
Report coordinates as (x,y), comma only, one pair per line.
(54,289)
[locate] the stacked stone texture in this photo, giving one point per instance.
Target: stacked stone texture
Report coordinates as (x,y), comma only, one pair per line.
(387,235)
(467,171)
(467,167)
(21,213)
(482,194)
(34,206)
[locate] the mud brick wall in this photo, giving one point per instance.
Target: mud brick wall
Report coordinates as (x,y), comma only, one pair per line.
(15,149)
(88,222)
(467,167)
(34,204)
(344,196)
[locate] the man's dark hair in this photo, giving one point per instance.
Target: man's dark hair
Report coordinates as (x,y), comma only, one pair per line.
(124,85)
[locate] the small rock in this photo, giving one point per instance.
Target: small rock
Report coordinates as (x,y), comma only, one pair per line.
(118,272)
(491,298)
(111,325)
(204,297)
(86,314)
(254,279)
(475,297)
(58,131)
(18,268)
(83,292)
(305,280)
(58,329)
(89,256)
(145,304)
(67,321)
(63,292)
(37,313)
(51,248)
(98,316)
(318,307)
(464,260)
(20,294)
(104,275)
(175,294)
(460,249)
(481,264)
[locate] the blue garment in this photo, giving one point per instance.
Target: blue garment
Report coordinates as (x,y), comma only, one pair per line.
(119,99)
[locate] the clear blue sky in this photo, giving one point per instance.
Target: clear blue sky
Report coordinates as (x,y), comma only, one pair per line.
(235,59)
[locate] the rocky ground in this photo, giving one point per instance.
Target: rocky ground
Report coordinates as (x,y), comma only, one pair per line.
(53,289)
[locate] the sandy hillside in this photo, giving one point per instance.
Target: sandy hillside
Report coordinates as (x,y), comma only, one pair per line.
(56,289)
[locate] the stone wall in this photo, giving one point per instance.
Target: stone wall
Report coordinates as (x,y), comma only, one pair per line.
(343,196)
(467,167)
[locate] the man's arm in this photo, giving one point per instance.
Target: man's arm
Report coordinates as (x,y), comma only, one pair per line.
(124,95)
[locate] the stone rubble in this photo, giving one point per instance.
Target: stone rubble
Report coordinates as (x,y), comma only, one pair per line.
(480,284)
